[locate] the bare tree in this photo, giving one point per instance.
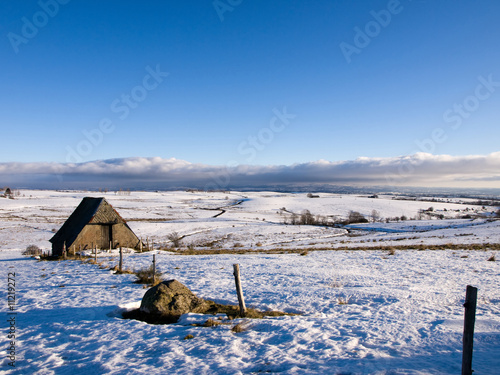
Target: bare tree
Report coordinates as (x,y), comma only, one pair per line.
(356,217)
(175,238)
(375,215)
(306,218)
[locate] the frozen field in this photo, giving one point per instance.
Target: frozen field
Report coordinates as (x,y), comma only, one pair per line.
(362,312)
(252,220)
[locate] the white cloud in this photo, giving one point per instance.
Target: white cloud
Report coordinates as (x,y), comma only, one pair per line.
(420,169)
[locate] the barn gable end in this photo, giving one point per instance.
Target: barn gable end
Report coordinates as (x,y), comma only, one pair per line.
(94,223)
(106,215)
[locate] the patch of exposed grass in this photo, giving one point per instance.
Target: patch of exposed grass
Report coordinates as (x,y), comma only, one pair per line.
(238,251)
(231,311)
(124,271)
(343,300)
(211,323)
(145,276)
(240,327)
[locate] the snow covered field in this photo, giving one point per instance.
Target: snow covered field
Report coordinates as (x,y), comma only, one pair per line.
(361,312)
(251,220)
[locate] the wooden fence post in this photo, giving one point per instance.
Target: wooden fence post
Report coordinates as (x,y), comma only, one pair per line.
(110,246)
(120,265)
(239,290)
(74,250)
(154,268)
(64,250)
(469,320)
(95,254)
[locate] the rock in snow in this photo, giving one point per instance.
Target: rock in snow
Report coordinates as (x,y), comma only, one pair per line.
(167,301)
(170,299)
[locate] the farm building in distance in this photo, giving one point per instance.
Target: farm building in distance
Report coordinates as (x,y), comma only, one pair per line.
(94,223)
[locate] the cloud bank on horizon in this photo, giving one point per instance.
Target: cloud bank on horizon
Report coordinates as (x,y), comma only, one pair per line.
(420,170)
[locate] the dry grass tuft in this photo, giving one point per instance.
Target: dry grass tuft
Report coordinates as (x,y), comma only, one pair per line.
(124,271)
(492,258)
(336,284)
(145,276)
(343,300)
(240,327)
(214,323)
(211,323)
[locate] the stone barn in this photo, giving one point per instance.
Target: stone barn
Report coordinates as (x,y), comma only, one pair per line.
(94,223)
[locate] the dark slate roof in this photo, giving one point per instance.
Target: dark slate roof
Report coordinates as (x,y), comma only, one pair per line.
(86,211)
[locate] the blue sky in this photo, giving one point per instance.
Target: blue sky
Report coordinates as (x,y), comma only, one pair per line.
(249,82)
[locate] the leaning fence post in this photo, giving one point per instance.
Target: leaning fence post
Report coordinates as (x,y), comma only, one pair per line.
(120,266)
(239,290)
(469,320)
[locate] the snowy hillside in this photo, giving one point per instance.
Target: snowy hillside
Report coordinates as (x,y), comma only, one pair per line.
(360,312)
(253,220)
